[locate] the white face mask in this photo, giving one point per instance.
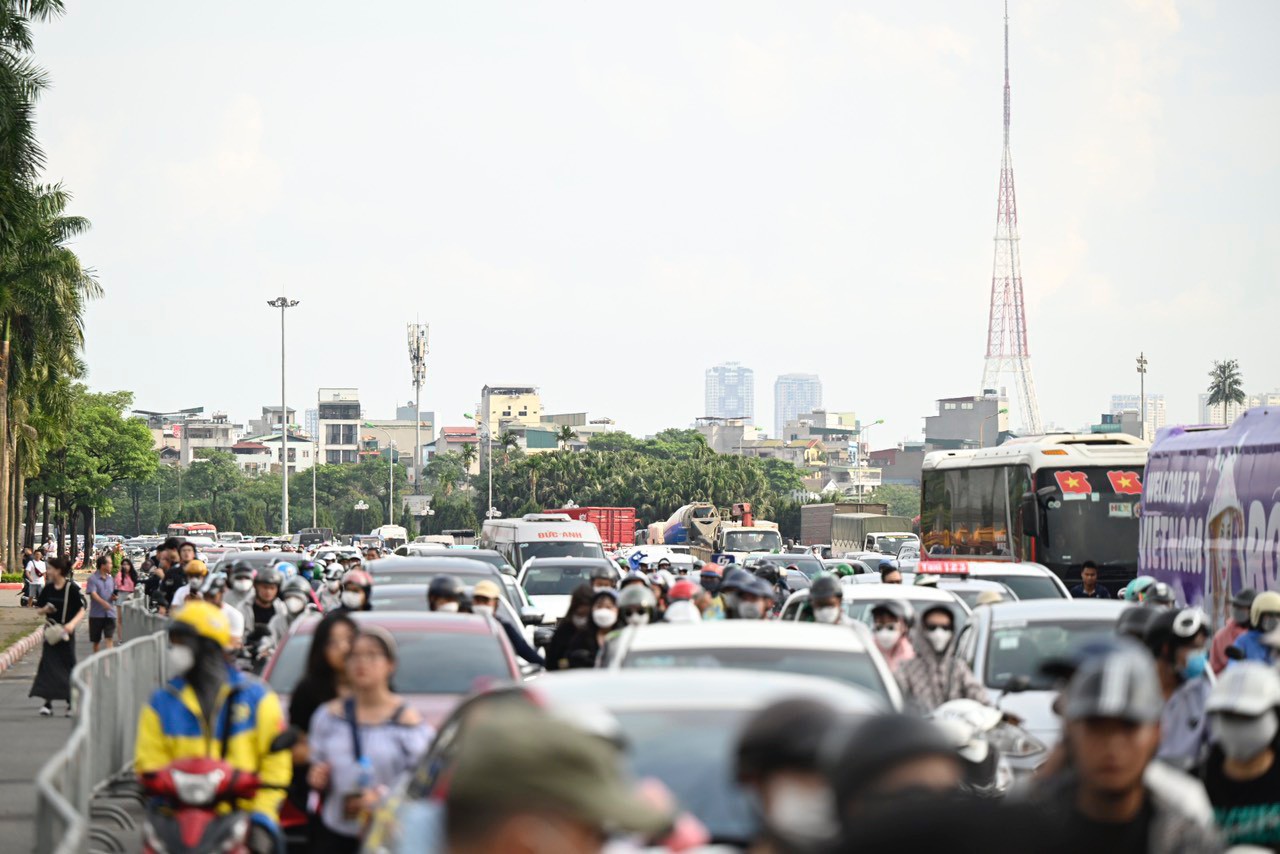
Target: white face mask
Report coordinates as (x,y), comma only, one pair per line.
(352,599)
(638,620)
(335,585)
(750,610)
(604,618)
(826,615)
(887,637)
(486,610)
(801,814)
(242,585)
(1244,738)
(580,622)
(447,607)
(181,659)
(939,638)
(294,606)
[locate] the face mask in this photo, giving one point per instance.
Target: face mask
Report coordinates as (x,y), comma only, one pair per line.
(801,815)
(242,585)
(447,607)
(887,637)
(294,606)
(580,622)
(1240,616)
(1268,622)
(181,659)
(637,619)
(750,610)
(604,618)
(486,610)
(939,638)
(826,615)
(352,599)
(334,586)
(1243,738)
(1195,666)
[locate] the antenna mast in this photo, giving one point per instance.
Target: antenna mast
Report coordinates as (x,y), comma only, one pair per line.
(418,335)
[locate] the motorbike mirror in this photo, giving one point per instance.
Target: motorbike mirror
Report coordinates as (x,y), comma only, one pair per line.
(1235,653)
(542,637)
(1016,684)
(530,615)
(284,741)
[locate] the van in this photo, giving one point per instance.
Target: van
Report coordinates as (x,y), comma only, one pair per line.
(541,535)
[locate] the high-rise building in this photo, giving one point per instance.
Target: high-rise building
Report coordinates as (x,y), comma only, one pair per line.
(792,395)
(311,422)
(1156,415)
(730,392)
(1213,414)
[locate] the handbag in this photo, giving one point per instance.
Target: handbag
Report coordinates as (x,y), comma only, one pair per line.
(53,631)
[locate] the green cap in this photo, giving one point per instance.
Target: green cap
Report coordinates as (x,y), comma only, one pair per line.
(521,756)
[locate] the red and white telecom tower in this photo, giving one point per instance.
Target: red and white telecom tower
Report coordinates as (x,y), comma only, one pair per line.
(1007,349)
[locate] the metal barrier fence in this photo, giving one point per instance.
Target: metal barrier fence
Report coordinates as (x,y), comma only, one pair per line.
(136,619)
(110,689)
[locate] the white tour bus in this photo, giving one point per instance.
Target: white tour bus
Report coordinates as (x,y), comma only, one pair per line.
(541,535)
(1055,500)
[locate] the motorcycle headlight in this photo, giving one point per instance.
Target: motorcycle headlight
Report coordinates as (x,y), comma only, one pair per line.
(1013,740)
(197,789)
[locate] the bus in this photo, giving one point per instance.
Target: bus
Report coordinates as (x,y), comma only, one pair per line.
(309,537)
(193,529)
(392,536)
(541,535)
(1055,500)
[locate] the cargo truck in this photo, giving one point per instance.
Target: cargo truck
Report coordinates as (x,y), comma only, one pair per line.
(616,525)
(855,532)
(815,519)
(742,535)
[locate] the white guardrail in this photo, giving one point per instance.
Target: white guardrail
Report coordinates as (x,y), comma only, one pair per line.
(109,690)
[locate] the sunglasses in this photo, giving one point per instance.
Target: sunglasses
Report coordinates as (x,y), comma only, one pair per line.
(633,612)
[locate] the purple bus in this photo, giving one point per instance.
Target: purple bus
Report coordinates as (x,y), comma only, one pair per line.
(1210,517)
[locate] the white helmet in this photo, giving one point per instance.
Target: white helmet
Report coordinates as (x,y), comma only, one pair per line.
(1246,688)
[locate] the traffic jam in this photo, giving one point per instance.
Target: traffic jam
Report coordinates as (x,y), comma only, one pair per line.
(1052,656)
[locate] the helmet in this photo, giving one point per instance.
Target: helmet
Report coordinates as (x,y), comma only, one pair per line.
(886,565)
(309,568)
(785,736)
(204,620)
(1264,603)
(843,569)
(880,744)
(735,579)
(698,565)
(663,579)
(286,569)
(600,572)
(1134,621)
(757,586)
(637,596)
(196,569)
(710,569)
(1244,598)
(1133,592)
(242,569)
(358,577)
(270,575)
(1158,594)
(1174,628)
(296,586)
(633,577)
(825,587)
(768,572)
(446,587)
(213,584)
(1247,688)
(682,590)
(334,572)
(897,608)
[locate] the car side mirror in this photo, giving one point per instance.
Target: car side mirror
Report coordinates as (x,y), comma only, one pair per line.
(1016,684)
(530,615)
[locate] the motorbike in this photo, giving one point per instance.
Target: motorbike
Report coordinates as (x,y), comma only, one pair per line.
(189,792)
(977,731)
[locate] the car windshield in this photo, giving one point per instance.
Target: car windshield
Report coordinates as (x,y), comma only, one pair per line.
(861,609)
(892,543)
(428,662)
(808,564)
(408,598)
(851,668)
(424,576)
(1032,586)
(559,548)
(1018,648)
(553,580)
(752,541)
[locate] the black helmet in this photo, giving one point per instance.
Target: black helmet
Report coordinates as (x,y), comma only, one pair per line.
(269,575)
(242,568)
(1174,628)
(446,587)
(785,736)
(698,565)
(1244,598)
(766,571)
(1159,594)
(896,608)
(825,587)
(599,571)
(879,745)
(735,579)
(1134,620)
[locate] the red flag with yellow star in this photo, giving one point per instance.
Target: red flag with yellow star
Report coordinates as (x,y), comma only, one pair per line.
(1073,482)
(1125,482)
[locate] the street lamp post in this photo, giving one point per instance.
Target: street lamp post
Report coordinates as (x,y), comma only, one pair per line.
(391,472)
(315,453)
(1142,393)
(492,512)
(283,303)
(426,515)
(361,507)
(857,455)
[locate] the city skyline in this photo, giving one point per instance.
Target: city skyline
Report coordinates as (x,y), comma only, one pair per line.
(794,394)
(729,392)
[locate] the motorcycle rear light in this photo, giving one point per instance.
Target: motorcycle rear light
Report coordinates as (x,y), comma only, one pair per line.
(197,789)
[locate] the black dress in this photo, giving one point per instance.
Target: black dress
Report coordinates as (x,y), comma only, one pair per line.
(53,677)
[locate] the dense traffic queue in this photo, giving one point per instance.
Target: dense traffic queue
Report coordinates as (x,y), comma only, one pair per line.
(448,699)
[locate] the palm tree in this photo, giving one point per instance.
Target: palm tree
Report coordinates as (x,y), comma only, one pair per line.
(508,441)
(1225,385)
(567,435)
(468,455)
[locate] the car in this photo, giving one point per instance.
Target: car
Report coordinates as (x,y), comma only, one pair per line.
(489,556)
(839,653)
(1028,580)
(969,589)
(257,560)
(413,597)
(550,582)
(420,570)
(677,726)
(859,567)
(859,600)
(333,554)
(1005,645)
(441,657)
(806,563)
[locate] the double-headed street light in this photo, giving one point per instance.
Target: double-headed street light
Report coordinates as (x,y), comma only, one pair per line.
(283,303)
(361,507)
(1142,393)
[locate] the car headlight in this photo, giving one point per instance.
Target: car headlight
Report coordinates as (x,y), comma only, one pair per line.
(1013,740)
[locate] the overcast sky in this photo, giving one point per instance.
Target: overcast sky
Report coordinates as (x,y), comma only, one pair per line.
(603,201)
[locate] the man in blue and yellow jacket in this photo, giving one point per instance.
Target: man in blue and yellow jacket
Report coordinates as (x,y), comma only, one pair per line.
(210,709)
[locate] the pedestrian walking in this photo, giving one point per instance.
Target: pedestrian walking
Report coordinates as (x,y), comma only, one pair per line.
(126,578)
(63,605)
(1088,588)
(101,589)
(34,573)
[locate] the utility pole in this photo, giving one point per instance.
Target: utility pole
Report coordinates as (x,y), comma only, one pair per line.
(283,303)
(418,334)
(1142,393)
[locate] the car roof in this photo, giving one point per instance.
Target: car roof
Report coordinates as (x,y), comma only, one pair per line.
(980,568)
(407,621)
(569,560)
(719,634)
(910,592)
(452,564)
(1055,610)
(963,583)
(700,688)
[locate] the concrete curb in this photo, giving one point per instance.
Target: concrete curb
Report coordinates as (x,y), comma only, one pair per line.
(11,585)
(14,654)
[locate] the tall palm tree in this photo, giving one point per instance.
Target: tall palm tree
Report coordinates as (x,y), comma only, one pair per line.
(567,434)
(1225,385)
(468,454)
(508,441)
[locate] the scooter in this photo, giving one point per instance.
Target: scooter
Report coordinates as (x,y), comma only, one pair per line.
(977,731)
(192,789)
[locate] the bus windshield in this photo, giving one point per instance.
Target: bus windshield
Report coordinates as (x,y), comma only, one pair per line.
(560,548)
(1093,516)
(973,511)
(752,541)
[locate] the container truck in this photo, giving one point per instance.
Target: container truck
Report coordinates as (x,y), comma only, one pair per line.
(1209,523)
(617,525)
(815,519)
(849,531)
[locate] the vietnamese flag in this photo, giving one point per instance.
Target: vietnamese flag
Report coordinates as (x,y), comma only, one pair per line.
(1073,482)
(1125,482)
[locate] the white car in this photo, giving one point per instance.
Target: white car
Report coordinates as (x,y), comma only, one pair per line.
(1028,580)
(550,581)
(841,653)
(859,600)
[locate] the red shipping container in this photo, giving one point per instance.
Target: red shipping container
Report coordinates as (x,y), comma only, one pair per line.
(617,525)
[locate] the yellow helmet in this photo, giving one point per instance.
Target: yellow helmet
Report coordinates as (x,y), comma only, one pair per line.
(196,568)
(202,619)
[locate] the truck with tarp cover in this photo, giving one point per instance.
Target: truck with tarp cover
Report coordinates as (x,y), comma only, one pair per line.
(1210,517)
